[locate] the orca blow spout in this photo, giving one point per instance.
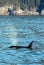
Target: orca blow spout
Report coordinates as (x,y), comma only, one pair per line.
(28,47)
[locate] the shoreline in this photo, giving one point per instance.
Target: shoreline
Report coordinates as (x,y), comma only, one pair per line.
(21,15)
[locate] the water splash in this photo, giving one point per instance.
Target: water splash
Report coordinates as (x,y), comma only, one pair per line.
(13,35)
(8,33)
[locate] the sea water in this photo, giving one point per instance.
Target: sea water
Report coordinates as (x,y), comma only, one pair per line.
(21,30)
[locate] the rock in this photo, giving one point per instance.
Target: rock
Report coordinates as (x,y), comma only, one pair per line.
(4,9)
(18,11)
(35,13)
(42,13)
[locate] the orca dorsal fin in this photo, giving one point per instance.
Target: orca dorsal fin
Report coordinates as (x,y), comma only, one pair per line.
(30,45)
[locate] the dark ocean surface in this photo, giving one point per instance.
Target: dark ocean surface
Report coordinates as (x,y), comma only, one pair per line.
(21,30)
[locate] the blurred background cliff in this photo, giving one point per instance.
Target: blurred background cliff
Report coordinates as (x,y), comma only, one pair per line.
(21,7)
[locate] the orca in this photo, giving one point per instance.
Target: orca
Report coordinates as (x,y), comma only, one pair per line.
(18,47)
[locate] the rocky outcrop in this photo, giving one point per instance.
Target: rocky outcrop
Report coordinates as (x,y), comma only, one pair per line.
(26,11)
(42,12)
(17,11)
(4,9)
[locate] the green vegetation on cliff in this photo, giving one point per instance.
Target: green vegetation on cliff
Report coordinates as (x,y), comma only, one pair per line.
(21,3)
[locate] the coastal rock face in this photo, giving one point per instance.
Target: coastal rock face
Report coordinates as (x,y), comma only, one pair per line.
(4,10)
(42,13)
(35,13)
(18,11)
